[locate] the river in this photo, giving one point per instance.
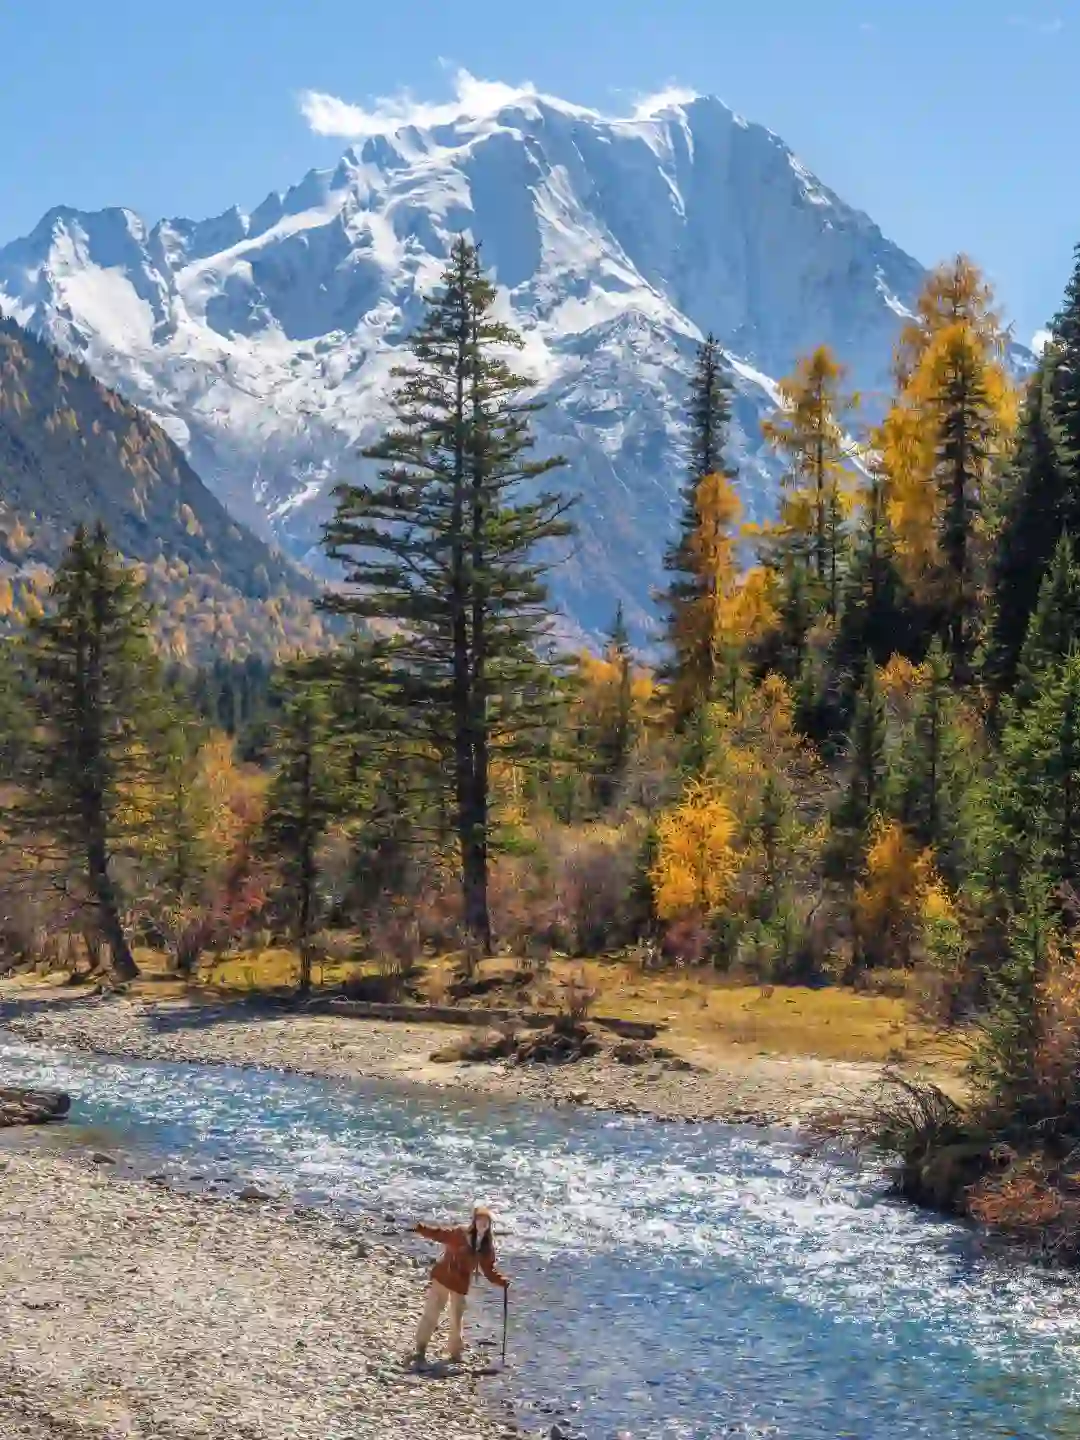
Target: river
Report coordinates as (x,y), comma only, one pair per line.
(677,1282)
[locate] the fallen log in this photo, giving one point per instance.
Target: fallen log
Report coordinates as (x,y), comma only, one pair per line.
(465,1015)
(32,1107)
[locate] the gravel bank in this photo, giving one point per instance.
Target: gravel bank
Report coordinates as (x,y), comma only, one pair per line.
(128,1312)
(765,1090)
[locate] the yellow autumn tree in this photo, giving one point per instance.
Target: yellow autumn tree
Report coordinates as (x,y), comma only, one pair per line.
(901,900)
(696,859)
(718,608)
(955,292)
(942,443)
(810,433)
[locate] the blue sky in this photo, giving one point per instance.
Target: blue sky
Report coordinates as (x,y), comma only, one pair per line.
(954,124)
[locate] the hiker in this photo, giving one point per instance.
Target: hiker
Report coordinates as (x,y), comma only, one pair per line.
(465,1251)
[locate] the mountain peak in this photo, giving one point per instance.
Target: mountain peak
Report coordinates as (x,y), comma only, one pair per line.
(265,342)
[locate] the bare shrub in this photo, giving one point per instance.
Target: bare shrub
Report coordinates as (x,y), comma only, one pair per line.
(577,1000)
(685,942)
(534,956)
(576,892)
(524,903)
(595,873)
(394,944)
(334,946)
(436,910)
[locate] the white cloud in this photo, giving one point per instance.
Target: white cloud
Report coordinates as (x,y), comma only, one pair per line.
(473,99)
(672,95)
(1051,25)
(477,99)
(1040,340)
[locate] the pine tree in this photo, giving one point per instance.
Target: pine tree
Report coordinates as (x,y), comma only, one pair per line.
(15,728)
(1003,1066)
(965,450)
(1054,632)
(183,811)
(98,711)
(1064,364)
(306,793)
(703,560)
(879,617)
(810,434)
(444,547)
(709,413)
(775,826)
(868,772)
(1039,781)
(1040,506)
(615,731)
(795,621)
(937,782)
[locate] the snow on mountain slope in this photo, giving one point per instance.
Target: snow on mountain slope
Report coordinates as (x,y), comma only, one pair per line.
(264,342)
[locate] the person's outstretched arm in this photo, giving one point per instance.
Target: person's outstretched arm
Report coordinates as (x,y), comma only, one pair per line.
(438,1233)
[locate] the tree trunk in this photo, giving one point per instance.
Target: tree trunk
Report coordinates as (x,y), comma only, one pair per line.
(109,922)
(306,916)
(475,851)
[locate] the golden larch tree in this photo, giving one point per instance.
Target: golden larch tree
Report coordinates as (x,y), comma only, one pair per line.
(810,432)
(942,444)
(712,621)
(696,858)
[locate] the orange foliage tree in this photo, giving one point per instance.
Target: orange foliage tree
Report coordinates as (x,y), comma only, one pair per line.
(696,860)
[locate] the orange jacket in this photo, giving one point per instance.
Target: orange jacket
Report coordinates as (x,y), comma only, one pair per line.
(458,1263)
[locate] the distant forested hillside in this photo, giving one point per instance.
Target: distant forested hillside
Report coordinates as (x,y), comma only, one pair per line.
(73,451)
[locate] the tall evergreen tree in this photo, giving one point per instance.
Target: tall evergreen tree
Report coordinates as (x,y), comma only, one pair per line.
(446,548)
(703,558)
(879,617)
(1064,362)
(15,723)
(615,734)
(868,771)
(1039,782)
(97,706)
(1054,631)
(1004,1063)
(1042,503)
(937,781)
(795,621)
(965,448)
(306,792)
(709,412)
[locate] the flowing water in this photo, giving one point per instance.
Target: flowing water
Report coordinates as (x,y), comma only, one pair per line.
(681,1282)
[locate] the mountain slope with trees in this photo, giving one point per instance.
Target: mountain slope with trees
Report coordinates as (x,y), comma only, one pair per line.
(73,452)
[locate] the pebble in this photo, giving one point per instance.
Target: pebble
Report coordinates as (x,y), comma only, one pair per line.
(750,1089)
(174,1315)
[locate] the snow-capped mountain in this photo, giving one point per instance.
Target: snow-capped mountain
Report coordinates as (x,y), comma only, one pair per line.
(263,342)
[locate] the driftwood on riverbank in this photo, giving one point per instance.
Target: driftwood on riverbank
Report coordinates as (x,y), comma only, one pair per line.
(465,1015)
(32,1107)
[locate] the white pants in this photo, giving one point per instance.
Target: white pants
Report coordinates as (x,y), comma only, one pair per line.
(434,1305)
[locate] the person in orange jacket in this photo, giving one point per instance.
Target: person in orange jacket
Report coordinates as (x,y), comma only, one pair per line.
(466,1249)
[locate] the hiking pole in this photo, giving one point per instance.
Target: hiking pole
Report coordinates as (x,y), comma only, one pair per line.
(506,1317)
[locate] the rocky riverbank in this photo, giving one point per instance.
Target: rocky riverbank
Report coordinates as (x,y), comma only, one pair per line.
(31,1107)
(128,1312)
(743,1089)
